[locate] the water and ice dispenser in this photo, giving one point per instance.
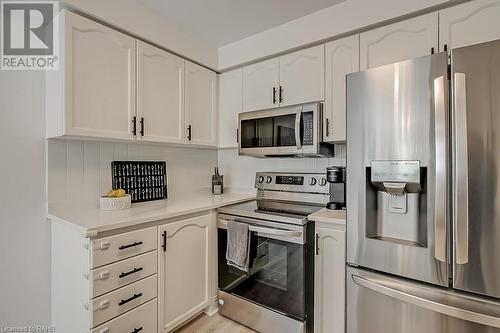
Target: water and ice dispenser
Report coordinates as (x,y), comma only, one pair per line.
(396,207)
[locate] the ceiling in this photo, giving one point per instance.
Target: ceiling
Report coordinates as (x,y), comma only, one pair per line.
(220,22)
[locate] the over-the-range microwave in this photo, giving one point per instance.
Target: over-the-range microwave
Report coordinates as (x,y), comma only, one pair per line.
(289,131)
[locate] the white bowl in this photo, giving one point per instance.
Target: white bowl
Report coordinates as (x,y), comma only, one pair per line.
(110,203)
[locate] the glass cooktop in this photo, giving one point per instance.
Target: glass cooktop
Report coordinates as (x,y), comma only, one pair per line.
(273,210)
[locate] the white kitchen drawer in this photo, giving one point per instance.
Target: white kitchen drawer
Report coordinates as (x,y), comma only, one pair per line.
(110,249)
(122,300)
(122,273)
(142,319)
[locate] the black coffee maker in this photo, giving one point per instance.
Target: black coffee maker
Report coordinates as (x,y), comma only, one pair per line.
(336,177)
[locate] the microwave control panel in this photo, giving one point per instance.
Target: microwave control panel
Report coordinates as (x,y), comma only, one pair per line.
(308,129)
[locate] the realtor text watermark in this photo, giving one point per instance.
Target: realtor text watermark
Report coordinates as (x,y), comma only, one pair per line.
(29,38)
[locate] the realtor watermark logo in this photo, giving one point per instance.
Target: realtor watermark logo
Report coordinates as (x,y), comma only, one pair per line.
(29,35)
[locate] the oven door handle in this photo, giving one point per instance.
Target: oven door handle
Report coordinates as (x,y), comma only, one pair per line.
(275,232)
(298,140)
(294,236)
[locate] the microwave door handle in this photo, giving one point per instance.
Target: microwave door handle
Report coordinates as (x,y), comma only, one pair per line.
(298,140)
(440,196)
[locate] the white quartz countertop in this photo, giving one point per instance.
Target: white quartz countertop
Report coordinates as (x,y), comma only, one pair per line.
(328,216)
(93,220)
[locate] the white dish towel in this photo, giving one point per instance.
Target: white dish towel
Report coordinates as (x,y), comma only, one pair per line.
(238,245)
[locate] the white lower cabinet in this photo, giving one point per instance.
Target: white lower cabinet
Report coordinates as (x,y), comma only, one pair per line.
(329,280)
(185,262)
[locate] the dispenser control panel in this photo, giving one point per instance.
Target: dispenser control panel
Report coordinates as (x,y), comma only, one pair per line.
(396,171)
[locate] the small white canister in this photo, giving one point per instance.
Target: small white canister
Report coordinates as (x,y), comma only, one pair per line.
(115,203)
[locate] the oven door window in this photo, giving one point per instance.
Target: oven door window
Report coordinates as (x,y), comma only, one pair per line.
(269,132)
(276,278)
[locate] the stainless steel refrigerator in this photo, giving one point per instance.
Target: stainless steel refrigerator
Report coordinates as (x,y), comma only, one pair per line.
(423,194)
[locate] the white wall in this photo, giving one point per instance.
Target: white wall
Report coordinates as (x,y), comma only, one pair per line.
(332,21)
(132,16)
(81,170)
(24,232)
(239,171)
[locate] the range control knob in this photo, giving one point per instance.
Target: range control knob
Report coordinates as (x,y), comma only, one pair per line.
(269,179)
(313,181)
(261,179)
(322,182)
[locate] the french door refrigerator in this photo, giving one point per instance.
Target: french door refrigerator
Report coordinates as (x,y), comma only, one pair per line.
(423,194)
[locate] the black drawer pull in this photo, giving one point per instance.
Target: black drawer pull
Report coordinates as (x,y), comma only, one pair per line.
(135,270)
(123,247)
(136,330)
(125,301)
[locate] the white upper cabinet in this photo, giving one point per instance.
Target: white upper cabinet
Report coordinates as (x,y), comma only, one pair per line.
(302,76)
(342,58)
(230,104)
(261,85)
(184,270)
(469,23)
(160,95)
(329,281)
(93,93)
(201,105)
(400,41)
(294,78)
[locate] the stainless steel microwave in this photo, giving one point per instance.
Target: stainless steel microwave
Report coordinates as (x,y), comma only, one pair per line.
(289,131)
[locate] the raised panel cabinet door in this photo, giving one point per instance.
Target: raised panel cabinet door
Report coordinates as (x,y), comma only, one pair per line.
(100,79)
(201,105)
(329,286)
(400,41)
(342,58)
(184,270)
(302,76)
(261,85)
(230,104)
(160,94)
(469,23)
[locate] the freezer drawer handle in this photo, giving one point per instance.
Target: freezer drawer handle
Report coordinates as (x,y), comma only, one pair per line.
(428,304)
(123,247)
(461,180)
(130,299)
(135,270)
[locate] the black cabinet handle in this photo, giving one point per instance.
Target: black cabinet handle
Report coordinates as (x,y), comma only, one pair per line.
(190,130)
(281,94)
(142,126)
(123,247)
(274,95)
(317,244)
(164,245)
(134,126)
(327,127)
(135,270)
(137,330)
(432,50)
(125,301)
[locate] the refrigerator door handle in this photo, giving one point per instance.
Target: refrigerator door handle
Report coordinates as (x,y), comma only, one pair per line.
(444,305)
(440,195)
(461,180)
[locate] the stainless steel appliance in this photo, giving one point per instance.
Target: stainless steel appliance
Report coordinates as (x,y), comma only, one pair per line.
(277,294)
(423,195)
(336,180)
(289,131)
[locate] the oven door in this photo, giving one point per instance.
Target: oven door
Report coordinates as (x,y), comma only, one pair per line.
(277,277)
(287,131)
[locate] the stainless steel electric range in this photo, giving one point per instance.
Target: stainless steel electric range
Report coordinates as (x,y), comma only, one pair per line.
(277,293)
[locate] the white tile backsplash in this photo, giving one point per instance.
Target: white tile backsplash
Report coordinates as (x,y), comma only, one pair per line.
(80,170)
(239,171)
